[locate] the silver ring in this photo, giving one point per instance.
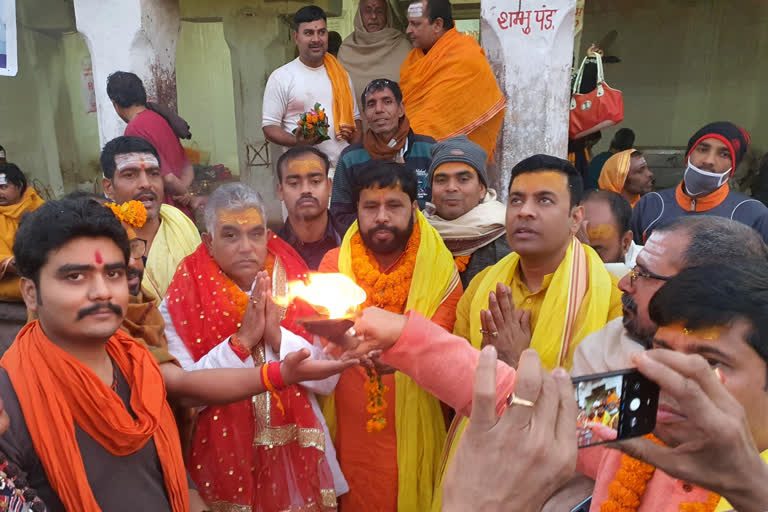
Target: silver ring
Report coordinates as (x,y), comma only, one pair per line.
(351,332)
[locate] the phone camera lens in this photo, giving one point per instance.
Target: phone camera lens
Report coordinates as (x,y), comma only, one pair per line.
(634,404)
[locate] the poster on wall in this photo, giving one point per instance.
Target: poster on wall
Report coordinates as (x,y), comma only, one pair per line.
(8,57)
(86,86)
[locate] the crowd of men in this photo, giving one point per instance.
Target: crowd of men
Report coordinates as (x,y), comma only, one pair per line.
(148,366)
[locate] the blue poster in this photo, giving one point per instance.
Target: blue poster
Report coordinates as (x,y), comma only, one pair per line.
(8,54)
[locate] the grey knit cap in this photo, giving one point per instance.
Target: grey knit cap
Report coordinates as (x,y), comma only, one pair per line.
(459,149)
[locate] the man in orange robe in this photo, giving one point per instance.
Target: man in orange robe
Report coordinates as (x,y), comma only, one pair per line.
(449,88)
(391,458)
(81,394)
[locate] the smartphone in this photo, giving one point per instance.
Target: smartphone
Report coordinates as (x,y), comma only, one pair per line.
(584,506)
(625,401)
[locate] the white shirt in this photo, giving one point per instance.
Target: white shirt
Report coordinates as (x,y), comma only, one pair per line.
(606,350)
(222,356)
(621,269)
(293,89)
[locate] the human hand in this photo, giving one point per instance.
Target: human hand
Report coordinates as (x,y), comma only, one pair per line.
(594,50)
(299,367)
(542,438)
(301,141)
(184,200)
(253,325)
(374,329)
(506,328)
(346,132)
(717,450)
(273,315)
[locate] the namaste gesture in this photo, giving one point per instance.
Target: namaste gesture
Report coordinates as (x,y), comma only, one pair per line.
(505,327)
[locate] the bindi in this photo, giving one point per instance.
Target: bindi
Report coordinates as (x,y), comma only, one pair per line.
(98,258)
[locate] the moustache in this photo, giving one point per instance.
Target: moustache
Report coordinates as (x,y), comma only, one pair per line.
(98,307)
(132,272)
(302,198)
(146,194)
(382,228)
(628,302)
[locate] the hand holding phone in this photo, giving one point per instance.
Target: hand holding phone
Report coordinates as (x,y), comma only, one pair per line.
(614,406)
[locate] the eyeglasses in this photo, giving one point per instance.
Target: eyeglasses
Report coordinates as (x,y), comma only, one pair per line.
(637,272)
(138,247)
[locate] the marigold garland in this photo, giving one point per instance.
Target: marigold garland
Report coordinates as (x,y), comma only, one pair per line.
(386,291)
(462,262)
(133,213)
(627,489)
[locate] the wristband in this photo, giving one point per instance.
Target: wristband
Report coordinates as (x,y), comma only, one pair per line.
(268,384)
(238,348)
(275,375)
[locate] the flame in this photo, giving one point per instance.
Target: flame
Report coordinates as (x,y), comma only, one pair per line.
(336,293)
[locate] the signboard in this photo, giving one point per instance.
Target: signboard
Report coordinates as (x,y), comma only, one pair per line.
(8,56)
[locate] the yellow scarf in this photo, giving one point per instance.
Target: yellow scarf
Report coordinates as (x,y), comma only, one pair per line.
(554,338)
(419,418)
(343,103)
(9,224)
(176,239)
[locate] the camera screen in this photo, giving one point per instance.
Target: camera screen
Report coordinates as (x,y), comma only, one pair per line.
(599,403)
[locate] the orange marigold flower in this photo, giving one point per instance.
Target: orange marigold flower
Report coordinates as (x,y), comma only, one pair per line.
(133,213)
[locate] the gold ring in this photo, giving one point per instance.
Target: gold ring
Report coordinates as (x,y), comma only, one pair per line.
(513,400)
(492,333)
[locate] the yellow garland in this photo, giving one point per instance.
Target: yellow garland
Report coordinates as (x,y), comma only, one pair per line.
(389,292)
(629,485)
(133,213)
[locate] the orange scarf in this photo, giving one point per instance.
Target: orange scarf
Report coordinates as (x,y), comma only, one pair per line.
(451,90)
(56,391)
(343,103)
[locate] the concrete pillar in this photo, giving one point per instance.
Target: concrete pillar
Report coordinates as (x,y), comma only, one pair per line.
(259,42)
(130,35)
(530,48)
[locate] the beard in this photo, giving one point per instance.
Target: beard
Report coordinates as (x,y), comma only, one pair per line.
(135,290)
(643,335)
(396,244)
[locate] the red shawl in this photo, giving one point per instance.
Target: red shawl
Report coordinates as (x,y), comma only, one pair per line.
(248,454)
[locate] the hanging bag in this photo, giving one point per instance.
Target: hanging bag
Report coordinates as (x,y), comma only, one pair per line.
(597,109)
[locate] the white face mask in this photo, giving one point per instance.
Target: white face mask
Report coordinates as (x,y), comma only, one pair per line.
(698,182)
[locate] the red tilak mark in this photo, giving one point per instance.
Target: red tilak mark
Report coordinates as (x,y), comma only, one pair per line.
(98,257)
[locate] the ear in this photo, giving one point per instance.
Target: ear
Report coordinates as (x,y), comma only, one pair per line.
(330,183)
(280,191)
(577,217)
(625,241)
(29,294)
(400,110)
(109,190)
(294,35)
(414,209)
(207,239)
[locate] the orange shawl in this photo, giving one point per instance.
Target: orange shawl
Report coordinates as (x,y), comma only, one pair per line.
(614,175)
(56,391)
(343,102)
(451,90)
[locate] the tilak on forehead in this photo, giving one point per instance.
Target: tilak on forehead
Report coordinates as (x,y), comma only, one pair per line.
(415,10)
(305,166)
(703,333)
(534,181)
(241,217)
(136,161)
(98,258)
(3,179)
(601,231)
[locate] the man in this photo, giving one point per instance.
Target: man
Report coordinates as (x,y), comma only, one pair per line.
(606,226)
(464,210)
(82,395)
(389,137)
(16,198)
(376,48)
(313,77)
(623,140)
(627,173)
(132,171)
(271,451)
(305,188)
(713,154)
(686,242)
(126,91)
(400,261)
(717,312)
(448,86)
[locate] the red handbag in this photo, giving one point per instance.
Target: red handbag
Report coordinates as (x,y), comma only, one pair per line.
(597,109)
